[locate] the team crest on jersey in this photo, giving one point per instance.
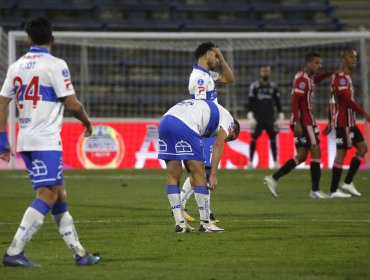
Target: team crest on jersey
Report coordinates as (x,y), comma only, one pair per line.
(302,85)
(200,82)
(104,149)
(65,72)
(343,82)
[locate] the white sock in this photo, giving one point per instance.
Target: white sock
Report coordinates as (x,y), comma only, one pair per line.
(67,230)
(186,192)
(30,224)
(175,202)
(202,198)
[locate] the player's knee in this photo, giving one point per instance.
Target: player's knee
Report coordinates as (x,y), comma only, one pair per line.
(362,150)
(48,194)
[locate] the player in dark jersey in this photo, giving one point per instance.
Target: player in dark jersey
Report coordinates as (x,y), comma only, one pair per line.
(342,111)
(263,97)
(303,123)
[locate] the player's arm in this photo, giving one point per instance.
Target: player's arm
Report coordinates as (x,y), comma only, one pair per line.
(227,76)
(300,88)
(251,101)
(5,149)
(322,76)
(276,96)
(76,108)
(345,96)
(218,148)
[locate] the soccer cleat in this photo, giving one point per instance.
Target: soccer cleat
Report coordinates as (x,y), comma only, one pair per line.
(209,227)
(186,216)
(350,188)
(250,166)
(88,259)
(213,218)
(183,227)
(318,194)
(18,260)
(339,194)
(271,185)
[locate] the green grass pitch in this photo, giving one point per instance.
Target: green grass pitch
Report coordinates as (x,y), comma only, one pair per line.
(125,216)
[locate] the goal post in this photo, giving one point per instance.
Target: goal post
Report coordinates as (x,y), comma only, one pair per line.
(124,75)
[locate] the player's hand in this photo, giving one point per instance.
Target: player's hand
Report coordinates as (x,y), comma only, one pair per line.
(212,182)
(367,117)
(327,129)
(218,54)
(6,153)
(252,120)
(89,131)
(298,129)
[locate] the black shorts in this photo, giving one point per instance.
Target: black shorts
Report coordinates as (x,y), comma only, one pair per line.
(310,136)
(268,126)
(348,136)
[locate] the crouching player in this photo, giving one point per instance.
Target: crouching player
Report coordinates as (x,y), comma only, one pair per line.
(180,139)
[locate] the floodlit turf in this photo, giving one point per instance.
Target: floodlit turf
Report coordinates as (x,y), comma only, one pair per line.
(124,215)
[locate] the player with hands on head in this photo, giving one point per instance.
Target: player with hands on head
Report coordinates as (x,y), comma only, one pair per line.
(202,85)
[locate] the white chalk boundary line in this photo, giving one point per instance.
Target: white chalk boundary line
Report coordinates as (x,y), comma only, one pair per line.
(240,221)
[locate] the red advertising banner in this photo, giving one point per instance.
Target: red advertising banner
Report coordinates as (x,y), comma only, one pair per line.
(133,144)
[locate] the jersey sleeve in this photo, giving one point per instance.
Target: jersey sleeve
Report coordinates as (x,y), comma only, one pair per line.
(226,120)
(7,89)
(300,88)
(198,87)
(276,96)
(61,79)
(214,75)
(251,97)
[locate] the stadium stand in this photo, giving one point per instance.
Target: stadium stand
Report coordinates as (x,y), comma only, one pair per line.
(354,14)
(176,15)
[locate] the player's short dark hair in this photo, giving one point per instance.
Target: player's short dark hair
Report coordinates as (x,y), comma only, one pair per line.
(311,56)
(346,51)
(40,31)
(203,48)
(236,128)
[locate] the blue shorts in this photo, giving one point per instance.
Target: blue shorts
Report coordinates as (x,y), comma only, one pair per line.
(208,149)
(45,168)
(177,141)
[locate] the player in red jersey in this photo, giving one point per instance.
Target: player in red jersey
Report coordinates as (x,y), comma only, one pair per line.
(306,133)
(342,110)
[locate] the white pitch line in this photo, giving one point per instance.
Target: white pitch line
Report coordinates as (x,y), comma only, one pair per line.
(103,177)
(263,220)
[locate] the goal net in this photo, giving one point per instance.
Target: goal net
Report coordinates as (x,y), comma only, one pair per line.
(141,75)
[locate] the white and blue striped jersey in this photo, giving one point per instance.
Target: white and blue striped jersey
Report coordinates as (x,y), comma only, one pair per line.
(202,84)
(196,115)
(38,81)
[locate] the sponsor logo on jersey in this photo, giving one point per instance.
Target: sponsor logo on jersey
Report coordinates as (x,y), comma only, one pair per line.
(65,73)
(104,149)
(342,82)
(200,82)
(201,89)
(302,85)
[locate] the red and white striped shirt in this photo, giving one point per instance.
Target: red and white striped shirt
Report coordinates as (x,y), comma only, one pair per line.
(342,107)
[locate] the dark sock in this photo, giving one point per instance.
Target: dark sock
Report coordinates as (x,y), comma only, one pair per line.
(336,173)
(273,150)
(355,164)
(285,169)
(315,171)
(252,148)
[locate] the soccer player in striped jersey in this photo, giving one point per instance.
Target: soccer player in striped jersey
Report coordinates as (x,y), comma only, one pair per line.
(342,108)
(202,85)
(303,123)
(41,85)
